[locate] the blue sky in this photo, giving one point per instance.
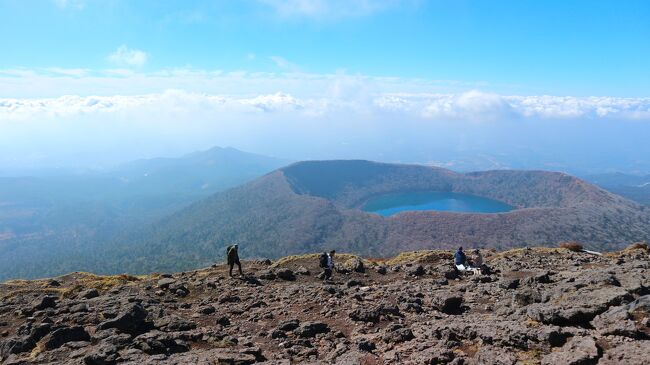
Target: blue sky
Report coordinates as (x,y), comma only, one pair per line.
(462,84)
(579,48)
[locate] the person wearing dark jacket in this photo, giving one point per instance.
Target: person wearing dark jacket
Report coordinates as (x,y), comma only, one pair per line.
(330,265)
(233,258)
(460,260)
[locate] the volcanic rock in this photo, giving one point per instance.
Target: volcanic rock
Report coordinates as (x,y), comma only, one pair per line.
(285,274)
(578,351)
(589,309)
(133,320)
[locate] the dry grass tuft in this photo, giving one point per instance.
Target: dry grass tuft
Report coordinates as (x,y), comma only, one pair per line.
(99,282)
(530,357)
(17,283)
(313,257)
(108,282)
(424,256)
(532,323)
(521,251)
(40,347)
(468,349)
(79,281)
(571,246)
(638,246)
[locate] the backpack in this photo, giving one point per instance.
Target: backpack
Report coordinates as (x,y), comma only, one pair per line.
(322,260)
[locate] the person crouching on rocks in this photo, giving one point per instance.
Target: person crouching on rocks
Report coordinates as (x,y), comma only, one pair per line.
(233,258)
(460,260)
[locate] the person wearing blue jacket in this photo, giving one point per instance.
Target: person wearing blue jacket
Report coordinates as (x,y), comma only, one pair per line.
(460,260)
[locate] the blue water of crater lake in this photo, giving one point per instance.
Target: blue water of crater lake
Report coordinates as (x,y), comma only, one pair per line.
(389,204)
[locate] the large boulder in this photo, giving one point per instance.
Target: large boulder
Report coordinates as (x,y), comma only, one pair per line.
(416,270)
(311,329)
(156,342)
(628,353)
(374,314)
(285,274)
(133,320)
(289,325)
(397,333)
(578,308)
(48,301)
(215,356)
(495,355)
(26,342)
(64,335)
(620,320)
(89,294)
(164,283)
(266,274)
(509,283)
(578,351)
(526,297)
(355,265)
(448,303)
(174,323)
(105,354)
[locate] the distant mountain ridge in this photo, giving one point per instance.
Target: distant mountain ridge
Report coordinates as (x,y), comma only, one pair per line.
(312,206)
(633,187)
(58,223)
(212,170)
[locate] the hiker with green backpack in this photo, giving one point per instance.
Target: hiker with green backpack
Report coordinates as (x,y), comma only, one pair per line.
(233,258)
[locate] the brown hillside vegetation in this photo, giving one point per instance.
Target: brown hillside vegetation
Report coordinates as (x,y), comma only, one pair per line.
(638,246)
(572,246)
(314,206)
(539,306)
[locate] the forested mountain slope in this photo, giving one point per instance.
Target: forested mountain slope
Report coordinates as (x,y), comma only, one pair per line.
(312,206)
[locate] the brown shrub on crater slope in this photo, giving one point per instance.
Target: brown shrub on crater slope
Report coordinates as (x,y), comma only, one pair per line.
(571,246)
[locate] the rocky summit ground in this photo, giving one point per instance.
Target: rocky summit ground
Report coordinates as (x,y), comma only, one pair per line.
(540,306)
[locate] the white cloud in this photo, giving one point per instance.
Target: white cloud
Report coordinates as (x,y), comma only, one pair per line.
(123,56)
(19,72)
(73,72)
(30,83)
(29,93)
(316,116)
(472,106)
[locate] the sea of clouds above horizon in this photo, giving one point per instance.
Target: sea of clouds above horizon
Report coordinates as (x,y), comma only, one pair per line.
(59,115)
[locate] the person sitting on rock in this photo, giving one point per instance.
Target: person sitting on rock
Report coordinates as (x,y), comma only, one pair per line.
(330,265)
(477,262)
(477,259)
(460,260)
(233,258)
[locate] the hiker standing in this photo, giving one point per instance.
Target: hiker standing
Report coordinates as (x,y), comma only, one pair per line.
(322,263)
(327,261)
(233,258)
